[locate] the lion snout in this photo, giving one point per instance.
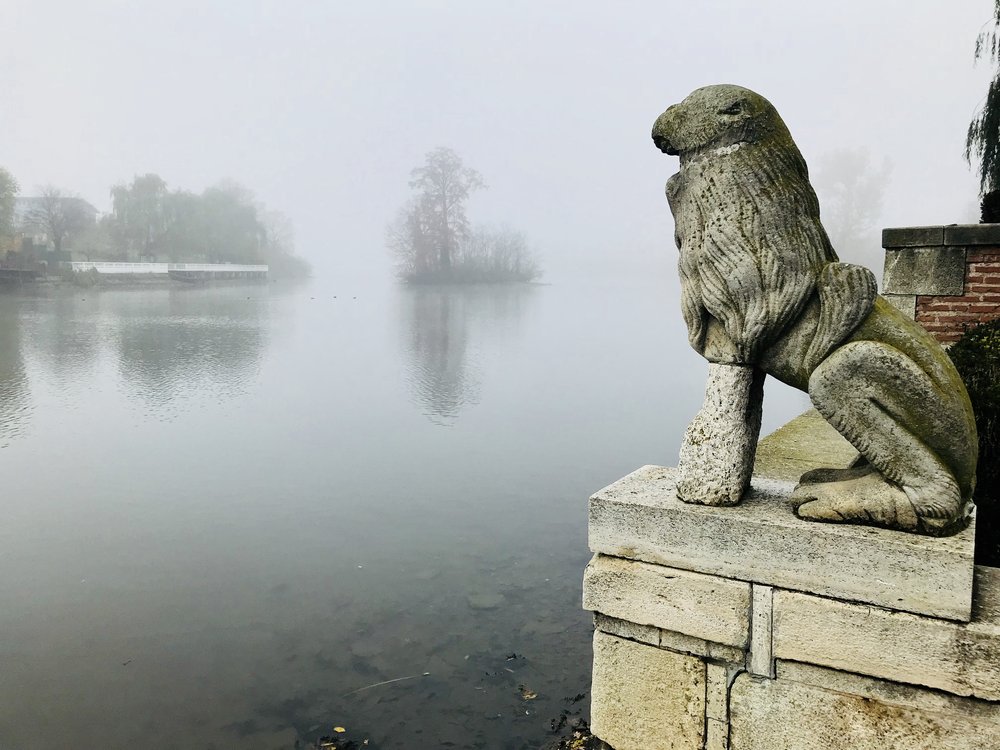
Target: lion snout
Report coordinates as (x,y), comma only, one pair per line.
(661,127)
(664,145)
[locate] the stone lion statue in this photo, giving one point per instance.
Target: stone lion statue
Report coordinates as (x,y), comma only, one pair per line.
(762,292)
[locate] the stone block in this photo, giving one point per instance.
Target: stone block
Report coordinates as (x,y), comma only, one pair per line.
(706,607)
(639,517)
(717,692)
(912,236)
(905,303)
(961,658)
(789,715)
(761,652)
(717,734)
(925,270)
(972,234)
(645,698)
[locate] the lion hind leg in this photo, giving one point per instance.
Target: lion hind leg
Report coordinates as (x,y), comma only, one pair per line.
(878,399)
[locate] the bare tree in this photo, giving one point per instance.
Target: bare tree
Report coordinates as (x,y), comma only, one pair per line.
(444,183)
(58,215)
(433,242)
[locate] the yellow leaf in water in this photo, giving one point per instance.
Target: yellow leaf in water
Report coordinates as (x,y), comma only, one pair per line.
(339,730)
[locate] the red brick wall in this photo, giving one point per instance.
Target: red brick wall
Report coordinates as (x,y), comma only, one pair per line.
(948,317)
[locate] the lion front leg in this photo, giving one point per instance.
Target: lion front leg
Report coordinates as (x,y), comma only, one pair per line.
(717,453)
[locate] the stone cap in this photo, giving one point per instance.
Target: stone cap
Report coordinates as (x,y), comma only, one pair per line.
(951,234)
(800,445)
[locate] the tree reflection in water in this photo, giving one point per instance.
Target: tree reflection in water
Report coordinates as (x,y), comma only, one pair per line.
(187,344)
(15,401)
(445,330)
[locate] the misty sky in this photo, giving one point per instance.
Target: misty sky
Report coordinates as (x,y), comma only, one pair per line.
(322,108)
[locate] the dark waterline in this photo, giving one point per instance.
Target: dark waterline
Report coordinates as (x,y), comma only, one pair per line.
(229,511)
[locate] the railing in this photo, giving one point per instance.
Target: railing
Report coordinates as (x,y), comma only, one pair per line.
(216,267)
(114,267)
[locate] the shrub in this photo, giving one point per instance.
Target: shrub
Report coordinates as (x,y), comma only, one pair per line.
(977,358)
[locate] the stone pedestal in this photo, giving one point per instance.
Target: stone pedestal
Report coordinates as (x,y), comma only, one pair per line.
(746,628)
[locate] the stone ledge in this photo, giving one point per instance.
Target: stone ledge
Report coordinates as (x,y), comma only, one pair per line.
(972,234)
(885,691)
(639,517)
(669,640)
(963,659)
(705,607)
(804,443)
(912,236)
(951,234)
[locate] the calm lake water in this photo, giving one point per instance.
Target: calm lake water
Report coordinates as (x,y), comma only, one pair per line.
(228,512)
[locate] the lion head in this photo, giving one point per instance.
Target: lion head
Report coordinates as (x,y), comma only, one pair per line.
(747,220)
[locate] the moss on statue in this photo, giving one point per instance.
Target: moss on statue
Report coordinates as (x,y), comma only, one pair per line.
(977,358)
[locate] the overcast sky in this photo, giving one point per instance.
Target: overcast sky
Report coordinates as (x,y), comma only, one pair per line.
(323,107)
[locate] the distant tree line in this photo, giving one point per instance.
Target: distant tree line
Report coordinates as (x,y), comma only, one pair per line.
(433,241)
(147,222)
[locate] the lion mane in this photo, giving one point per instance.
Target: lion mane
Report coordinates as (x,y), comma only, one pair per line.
(748,229)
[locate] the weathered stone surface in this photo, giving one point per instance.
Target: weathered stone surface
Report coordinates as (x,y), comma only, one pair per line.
(631,630)
(905,303)
(963,659)
(639,517)
(912,236)
(761,286)
(925,270)
(972,234)
(761,661)
(885,691)
(717,692)
(717,734)
(706,607)
(717,452)
(786,715)
(645,698)
(668,639)
(805,443)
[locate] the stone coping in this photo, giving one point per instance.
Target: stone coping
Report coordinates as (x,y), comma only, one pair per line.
(802,444)
(761,541)
(951,234)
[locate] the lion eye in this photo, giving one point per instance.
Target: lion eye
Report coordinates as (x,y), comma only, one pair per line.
(733,109)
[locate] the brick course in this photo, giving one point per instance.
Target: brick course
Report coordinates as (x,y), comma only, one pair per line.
(947,317)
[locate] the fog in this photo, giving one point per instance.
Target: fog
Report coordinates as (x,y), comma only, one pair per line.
(323,108)
(247,515)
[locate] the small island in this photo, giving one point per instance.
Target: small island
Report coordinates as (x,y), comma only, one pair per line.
(433,241)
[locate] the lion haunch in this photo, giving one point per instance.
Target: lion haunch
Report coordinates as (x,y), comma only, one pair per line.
(762,287)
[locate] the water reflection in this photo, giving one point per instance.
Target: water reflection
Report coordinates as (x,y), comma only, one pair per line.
(61,333)
(185,343)
(172,348)
(15,402)
(445,329)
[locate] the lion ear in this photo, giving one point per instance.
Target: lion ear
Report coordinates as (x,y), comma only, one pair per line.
(846,295)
